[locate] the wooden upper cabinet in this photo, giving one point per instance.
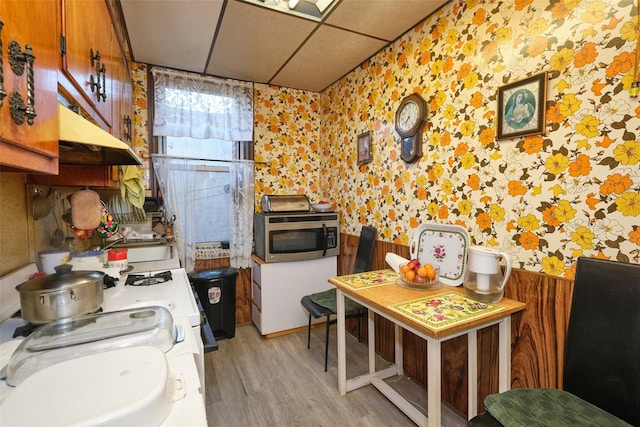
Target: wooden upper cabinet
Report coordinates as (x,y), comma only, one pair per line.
(122,100)
(87,63)
(29,50)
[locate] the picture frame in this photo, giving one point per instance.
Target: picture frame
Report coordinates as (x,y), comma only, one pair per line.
(522,107)
(364,148)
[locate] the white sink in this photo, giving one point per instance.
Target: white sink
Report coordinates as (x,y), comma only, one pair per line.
(149,253)
(146,257)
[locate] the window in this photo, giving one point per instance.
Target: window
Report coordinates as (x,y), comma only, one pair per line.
(216,113)
(213,184)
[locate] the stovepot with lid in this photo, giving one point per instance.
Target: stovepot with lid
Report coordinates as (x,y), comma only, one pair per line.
(61,295)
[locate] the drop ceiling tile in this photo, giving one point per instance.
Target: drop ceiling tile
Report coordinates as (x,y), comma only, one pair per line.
(175,34)
(254,42)
(328,55)
(385,19)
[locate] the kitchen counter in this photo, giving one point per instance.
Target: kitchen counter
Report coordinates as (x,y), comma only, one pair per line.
(176,296)
(185,358)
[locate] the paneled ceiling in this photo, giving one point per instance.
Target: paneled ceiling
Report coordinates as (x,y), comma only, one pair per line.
(248,40)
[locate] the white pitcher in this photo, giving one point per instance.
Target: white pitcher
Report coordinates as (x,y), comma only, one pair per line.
(483,279)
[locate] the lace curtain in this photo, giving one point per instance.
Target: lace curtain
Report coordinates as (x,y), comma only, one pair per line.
(241,220)
(177,180)
(204,107)
(196,106)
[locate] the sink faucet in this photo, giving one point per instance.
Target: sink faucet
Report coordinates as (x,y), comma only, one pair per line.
(111,244)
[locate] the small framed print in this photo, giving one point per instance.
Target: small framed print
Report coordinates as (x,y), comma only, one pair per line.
(364,148)
(522,107)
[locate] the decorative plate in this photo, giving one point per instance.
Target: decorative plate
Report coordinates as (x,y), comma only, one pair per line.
(443,245)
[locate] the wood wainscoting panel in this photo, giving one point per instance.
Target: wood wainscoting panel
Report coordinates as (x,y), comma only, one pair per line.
(539,331)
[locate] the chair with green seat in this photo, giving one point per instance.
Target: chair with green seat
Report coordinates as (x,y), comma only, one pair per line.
(602,358)
(323,304)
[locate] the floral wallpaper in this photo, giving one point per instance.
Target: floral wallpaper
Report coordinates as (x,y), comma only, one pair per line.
(287,144)
(140,123)
(545,199)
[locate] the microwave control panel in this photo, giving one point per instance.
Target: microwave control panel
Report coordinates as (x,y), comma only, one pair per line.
(332,237)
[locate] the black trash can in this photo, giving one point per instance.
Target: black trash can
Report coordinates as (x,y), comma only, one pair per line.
(217,292)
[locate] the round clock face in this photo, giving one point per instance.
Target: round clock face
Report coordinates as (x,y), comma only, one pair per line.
(409,116)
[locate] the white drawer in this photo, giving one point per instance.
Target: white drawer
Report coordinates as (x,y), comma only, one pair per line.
(255,273)
(256,294)
(256,317)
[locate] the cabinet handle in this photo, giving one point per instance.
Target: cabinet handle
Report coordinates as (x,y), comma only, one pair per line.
(94,58)
(103,71)
(100,88)
(94,81)
(18,60)
(3,93)
(95,85)
(31,89)
(127,128)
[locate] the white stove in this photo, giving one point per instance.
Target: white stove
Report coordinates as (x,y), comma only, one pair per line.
(185,358)
(174,294)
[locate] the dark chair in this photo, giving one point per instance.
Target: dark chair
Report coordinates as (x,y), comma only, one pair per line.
(323,304)
(601,368)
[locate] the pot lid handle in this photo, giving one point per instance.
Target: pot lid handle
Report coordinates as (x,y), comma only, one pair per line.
(63,268)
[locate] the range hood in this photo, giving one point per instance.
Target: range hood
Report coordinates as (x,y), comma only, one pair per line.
(84,143)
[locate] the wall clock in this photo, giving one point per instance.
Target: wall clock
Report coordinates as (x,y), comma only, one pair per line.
(410,119)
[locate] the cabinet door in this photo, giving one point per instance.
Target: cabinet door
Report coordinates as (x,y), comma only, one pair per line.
(88,31)
(122,101)
(29,143)
(104,177)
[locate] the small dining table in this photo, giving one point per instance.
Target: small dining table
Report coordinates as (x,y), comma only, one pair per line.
(433,315)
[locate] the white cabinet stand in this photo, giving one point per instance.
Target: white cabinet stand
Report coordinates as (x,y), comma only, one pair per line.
(277,288)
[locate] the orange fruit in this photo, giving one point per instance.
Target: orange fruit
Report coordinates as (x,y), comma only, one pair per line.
(431,273)
(410,275)
(405,268)
(423,271)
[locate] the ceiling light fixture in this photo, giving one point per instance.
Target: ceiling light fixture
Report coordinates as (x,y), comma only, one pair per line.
(322,5)
(314,9)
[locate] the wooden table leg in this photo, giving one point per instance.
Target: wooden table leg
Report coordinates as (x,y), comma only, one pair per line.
(504,355)
(434,383)
(371,327)
(399,354)
(472,377)
(342,353)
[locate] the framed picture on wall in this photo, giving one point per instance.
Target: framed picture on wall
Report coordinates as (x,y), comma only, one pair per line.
(364,148)
(522,107)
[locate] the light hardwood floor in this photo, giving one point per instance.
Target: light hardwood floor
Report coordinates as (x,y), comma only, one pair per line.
(252,381)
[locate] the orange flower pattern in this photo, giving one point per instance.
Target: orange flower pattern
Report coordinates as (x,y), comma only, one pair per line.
(288,151)
(140,121)
(545,199)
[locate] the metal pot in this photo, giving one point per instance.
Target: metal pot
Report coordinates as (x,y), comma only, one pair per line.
(61,295)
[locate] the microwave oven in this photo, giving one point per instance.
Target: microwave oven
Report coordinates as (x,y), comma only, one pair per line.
(296,236)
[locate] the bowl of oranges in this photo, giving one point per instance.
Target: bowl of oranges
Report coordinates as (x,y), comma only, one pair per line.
(415,275)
